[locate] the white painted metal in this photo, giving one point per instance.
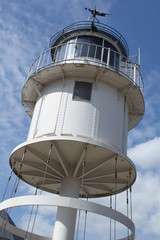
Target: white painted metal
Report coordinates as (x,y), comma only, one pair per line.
(102,119)
(128,70)
(66,160)
(66,217)
(86,70)
(71,203)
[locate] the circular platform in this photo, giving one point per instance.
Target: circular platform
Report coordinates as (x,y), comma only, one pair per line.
(63,202)
(101,169)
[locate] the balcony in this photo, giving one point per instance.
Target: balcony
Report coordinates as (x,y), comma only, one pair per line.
(88,53)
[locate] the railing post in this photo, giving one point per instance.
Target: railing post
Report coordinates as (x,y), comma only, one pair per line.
(108,56)
(40,57)
(140,82)
(66,50)
(30,71)
(134,76)
(88,50)
(48,55)
(102,53)
(141,86)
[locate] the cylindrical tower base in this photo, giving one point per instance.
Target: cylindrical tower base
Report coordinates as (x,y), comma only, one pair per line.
(66,217)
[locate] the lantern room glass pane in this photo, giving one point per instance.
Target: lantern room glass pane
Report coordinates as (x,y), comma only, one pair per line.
(98,53)
(61,53)
(117,57)
(84,51)
(90,39)
(70,51)
(105,55)
(78,50)
(92,49)
(111,60)
(84,47)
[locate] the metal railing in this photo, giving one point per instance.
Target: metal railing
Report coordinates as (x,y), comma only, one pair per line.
(86,53)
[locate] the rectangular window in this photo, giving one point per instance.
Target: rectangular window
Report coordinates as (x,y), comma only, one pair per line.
(82,91)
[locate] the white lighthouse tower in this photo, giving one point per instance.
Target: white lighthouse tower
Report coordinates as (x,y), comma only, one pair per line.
(83,96)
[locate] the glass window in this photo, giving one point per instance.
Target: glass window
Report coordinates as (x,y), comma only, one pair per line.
(91,53)
(84,51)
(117,60)
(83,39)
(98,53)
(89,50)
(111,60)
(90,39)
(61,53)
(70,48)
(105,55)
(70,51)
(97,41)
(78,50)
(109,45)
(114,59)
(82,91)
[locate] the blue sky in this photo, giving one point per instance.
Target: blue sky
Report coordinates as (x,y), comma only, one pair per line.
(25,30)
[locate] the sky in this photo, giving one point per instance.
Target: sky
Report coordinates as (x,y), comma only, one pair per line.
(26,27)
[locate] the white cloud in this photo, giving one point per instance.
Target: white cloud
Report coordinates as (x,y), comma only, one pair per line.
(146,205)
(146,155)
(43,226)
(149,127)
(152,225)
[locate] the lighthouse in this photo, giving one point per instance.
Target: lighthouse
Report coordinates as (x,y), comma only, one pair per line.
(83,95)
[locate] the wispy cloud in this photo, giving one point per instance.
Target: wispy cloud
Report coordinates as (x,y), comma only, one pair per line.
(146,155)
(146,205)
(150,125)
(43,226)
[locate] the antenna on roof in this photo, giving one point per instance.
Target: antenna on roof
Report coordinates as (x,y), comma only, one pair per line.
(95,13)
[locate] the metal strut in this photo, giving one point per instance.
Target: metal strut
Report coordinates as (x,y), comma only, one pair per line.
(127,210)
(15,187)
(19,171)
(110,219)
(83,168)
(85,225)
(30,217)
(79,215)
(47,163)
(9,178)
(130,195)
(115,196)
(46,168)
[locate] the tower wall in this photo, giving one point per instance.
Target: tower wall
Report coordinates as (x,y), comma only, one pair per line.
(103,118)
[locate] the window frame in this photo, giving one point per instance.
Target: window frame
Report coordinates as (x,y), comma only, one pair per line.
(78,91)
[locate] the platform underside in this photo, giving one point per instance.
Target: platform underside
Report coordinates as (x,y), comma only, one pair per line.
(101,170)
